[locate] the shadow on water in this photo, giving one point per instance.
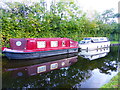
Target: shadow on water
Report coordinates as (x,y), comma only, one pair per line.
(73,75)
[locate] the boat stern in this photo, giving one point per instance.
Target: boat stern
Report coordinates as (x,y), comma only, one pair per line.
(18,43)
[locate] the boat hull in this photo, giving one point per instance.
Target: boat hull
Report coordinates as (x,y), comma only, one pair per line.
(39,54)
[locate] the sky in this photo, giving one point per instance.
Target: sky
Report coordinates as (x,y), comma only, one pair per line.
(86,5)
(99,5)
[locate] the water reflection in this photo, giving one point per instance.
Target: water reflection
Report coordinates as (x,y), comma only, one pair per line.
(72,76)
(18,76)
(94,54)
(33,67)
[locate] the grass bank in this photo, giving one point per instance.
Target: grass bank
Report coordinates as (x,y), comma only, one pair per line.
(113,83)
(114,42)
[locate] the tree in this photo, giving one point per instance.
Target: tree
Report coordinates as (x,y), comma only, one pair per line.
(108,16)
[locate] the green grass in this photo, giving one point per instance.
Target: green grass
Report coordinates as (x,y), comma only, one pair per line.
(114,42)
(113,83)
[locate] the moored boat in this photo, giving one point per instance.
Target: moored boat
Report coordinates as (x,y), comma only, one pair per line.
(92,43)
(31,48)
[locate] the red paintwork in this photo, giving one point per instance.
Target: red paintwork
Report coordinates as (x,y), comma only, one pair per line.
(30,44)
(3,48)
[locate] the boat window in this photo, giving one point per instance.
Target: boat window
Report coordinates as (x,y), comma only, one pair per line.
(101,38)
(41,44)
(95,40)
(63,43)
(88,42)
(54,43)
(87,38)
(81,42)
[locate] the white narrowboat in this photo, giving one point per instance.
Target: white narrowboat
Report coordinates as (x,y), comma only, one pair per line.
(92,43)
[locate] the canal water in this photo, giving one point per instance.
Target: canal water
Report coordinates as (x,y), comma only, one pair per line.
(86,69)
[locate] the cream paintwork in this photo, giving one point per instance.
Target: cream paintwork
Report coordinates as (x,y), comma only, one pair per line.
(89,45)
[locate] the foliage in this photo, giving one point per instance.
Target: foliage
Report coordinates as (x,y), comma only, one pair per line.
(62,20)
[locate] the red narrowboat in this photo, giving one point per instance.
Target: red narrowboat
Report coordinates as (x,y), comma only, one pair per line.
(31,48)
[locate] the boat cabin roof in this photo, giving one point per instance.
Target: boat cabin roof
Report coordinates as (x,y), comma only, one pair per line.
(93,39)
(44,38)
(96,38)
(47,38)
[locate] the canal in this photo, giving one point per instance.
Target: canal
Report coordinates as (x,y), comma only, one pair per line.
(86,69)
